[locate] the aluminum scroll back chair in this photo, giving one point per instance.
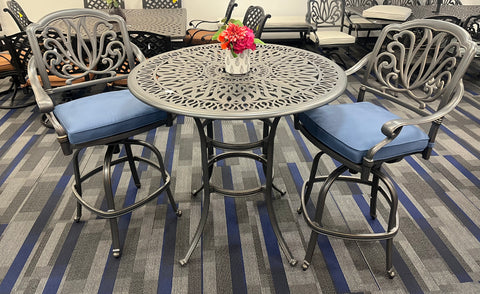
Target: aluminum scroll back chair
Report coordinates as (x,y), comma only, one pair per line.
(357,23)
(108,119)
(13,65)
(100,4)
(18,15)
(327,18)
(414,78)
(156,4)
(200,35)
(255,18)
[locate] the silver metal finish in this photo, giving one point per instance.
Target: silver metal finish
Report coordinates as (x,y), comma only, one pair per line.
(192,81)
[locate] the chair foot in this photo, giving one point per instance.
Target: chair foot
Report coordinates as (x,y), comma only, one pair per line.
(178,213)
(373,215)
(299,210)
(391,274)
(293,262)
(76,219)
(305,265)
(116,253)
(183,262)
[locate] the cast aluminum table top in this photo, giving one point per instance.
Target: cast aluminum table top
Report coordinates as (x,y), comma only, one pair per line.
(170,22)
(283,80)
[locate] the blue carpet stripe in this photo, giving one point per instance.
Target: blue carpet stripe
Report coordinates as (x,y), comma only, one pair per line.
(237,267)
(111,267)
(299,140)
(334,269)
(165,273)
(6,116)
(399,263)
(8,144)
(456,210)
(63,258)
(468,174)
(468,114)
(469,147)
(275,257)
(22,256)
(2,228)
(432,236)
(13,164)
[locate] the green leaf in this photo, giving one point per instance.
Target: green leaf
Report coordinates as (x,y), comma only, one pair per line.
(258,41)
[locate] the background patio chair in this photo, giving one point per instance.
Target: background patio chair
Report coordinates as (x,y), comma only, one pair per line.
(413,78)
(99,4)
(109,119)
(18,14)
(327,18)
(155,4)
(198,34)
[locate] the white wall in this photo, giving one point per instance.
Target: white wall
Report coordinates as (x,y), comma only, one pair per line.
(196,9)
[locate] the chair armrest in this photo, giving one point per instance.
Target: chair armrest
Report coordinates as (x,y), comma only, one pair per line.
(138,53)
(391,128)
(361,63)
(196,22)
(44,102)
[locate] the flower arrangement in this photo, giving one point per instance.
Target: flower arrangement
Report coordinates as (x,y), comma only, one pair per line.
(236,37)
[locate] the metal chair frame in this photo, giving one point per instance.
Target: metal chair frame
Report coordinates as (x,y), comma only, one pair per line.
(418,81)
(18,14)
(156,4)
(100,4)
(74,56)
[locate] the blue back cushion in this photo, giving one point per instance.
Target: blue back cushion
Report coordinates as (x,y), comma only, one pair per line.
(105,114)
(352,129)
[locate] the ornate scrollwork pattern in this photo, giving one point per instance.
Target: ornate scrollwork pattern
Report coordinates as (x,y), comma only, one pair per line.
(326,11)
(73,50)
(419,63)
(356,3)
(194,78)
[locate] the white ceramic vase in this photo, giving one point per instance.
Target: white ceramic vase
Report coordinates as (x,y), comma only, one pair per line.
(237,65)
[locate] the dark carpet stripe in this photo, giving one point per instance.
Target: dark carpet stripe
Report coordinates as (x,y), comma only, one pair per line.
(334,269)
(165,273)
(399,263)
(469,175)
(2,228)
(456,210)
(63,258)
(8,144)
(237,267)
(11,276)
(449,258)
(299,140)
(275,257)
(13,164)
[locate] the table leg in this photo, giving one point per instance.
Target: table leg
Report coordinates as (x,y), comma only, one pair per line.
(207,165)
(206,187)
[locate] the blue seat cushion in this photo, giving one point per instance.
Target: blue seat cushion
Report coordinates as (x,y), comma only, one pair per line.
(104,115)
(352,129)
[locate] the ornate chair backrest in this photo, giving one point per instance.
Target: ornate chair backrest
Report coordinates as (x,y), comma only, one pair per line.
(230,7)
(356,3)
(18,15)
(419,65)
(99,4)
(75,44)
(255,18)
(444,2)
(472,25)
(326,13)
(449,18)
(20,52)
(407,3)
(155,4)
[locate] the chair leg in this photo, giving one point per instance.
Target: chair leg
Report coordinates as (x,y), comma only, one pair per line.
(311,179)
(131,163)
(107,185)
(78,185)
(373,195)
(310,249)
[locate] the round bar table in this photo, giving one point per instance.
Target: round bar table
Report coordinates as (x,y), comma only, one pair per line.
(192,81)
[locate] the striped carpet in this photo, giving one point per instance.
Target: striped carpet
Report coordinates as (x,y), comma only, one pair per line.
(43,251)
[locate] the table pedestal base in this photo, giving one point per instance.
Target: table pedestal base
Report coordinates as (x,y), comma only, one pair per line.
(208,144)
